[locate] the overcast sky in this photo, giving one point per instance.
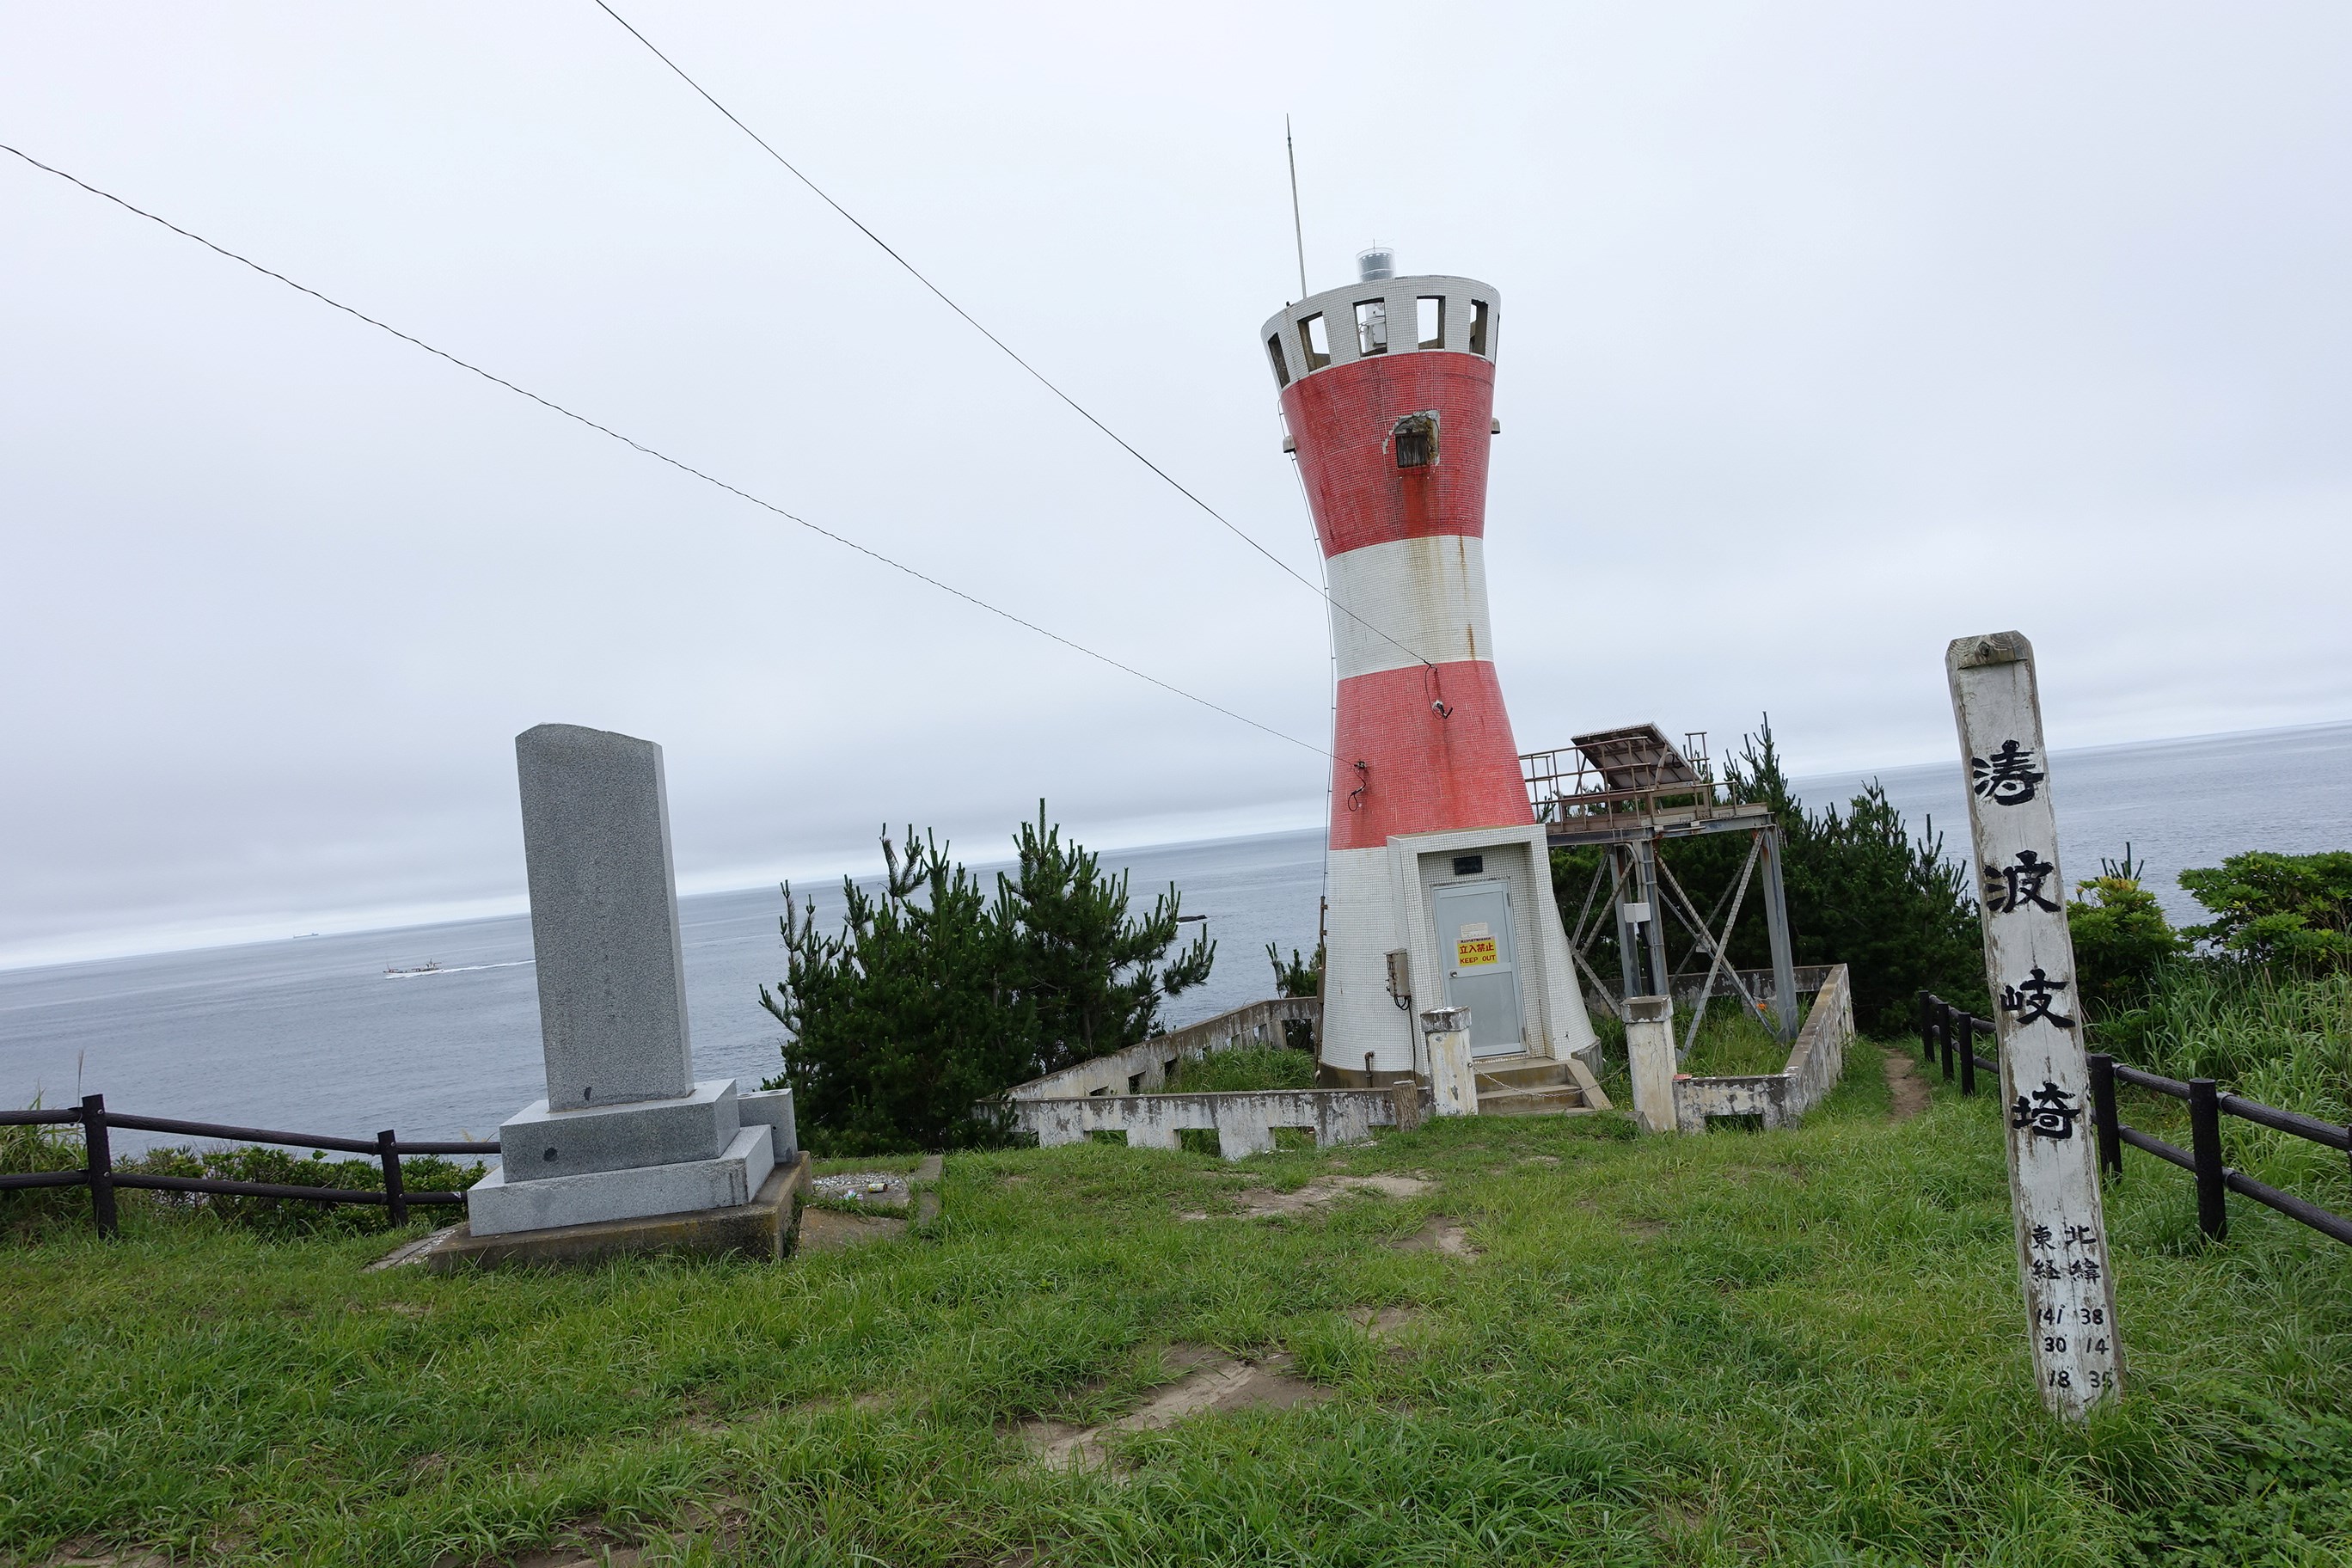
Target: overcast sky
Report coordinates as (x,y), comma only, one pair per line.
(1831,332)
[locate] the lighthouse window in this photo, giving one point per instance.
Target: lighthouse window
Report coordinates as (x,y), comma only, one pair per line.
(1281,367)
(1431,314)
(1415,439)
(1316,339)
(1477,326)
(1373,327)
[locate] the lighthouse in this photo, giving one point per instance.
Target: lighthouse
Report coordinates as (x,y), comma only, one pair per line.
(1439,876)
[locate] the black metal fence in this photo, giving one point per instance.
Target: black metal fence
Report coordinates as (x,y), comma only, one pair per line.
(100,1175)
(1948,1036)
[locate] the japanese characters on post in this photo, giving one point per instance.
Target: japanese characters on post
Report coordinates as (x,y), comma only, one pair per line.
(2061,1251)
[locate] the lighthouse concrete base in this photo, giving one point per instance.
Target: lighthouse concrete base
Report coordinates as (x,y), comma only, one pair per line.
(1462,918)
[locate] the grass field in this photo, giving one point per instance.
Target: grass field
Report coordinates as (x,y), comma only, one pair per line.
(1802,1346)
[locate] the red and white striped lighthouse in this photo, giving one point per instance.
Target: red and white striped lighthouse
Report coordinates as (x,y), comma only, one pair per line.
(1440,882)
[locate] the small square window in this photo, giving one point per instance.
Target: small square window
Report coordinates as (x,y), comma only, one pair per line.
(1316,339)
(1478,327)
(1414,438)
(1281,365)
(1373,327)
(1430,320)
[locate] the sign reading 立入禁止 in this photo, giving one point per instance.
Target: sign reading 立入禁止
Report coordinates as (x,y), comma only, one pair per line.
(1473,950)
(2062,1234)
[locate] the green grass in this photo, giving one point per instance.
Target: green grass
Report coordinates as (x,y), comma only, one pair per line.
(1800,1346)
(1732,1042)
(1244,1070)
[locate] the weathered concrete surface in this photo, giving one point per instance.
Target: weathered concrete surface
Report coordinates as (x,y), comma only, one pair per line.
(764,1227)
(1780,1099)
(1453,1080)
(1244,1122)
(496,1205)
(772,1108)
(1144,1067)
(604,917)
(538,1142)
(1650,1059)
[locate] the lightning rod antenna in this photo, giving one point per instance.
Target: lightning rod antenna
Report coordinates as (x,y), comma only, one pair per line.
(1297,228)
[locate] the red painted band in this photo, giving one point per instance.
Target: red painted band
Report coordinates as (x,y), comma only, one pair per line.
(1342,418)
(1424,772)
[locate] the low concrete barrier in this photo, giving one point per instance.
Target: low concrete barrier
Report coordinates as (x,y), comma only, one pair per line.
(1814,1063)
(1144,1067)
(1244,1123)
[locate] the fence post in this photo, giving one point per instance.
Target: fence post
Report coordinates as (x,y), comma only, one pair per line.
(2103,1113)
(97,1154)
(1944,1037)
(395,1198)
(2205,1144)
(1927,1038)
(1968,1049)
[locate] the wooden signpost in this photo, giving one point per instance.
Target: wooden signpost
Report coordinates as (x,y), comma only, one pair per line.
(2054,1183)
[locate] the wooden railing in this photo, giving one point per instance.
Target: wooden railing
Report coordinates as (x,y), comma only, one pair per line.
(101,1176)
(1949,1035)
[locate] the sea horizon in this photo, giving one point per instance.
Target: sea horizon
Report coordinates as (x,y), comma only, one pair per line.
(1911,784)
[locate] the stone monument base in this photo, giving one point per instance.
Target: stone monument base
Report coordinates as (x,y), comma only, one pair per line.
(765,1228)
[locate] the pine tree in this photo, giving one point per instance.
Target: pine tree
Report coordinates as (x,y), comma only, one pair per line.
(934,997)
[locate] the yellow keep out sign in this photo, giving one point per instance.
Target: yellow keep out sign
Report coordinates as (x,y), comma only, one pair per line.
(1470,952)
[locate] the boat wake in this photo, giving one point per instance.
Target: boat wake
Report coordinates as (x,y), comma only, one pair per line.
(435,967)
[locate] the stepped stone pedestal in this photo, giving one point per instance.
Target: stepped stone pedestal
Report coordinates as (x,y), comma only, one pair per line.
(625,1137)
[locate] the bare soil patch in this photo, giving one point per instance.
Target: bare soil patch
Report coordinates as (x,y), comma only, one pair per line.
(1441,1236)
(1906,1089)
(1257,1202)
(825,1231)
(1383,1324)
(1215,1382)
(1645,1229)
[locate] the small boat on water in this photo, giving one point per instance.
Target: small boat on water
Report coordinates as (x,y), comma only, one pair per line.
(430,966)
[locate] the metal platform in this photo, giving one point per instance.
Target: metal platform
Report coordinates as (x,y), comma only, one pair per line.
(1627,791)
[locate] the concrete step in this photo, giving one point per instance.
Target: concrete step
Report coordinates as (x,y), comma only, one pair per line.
(1521,1072)
(1557,1099)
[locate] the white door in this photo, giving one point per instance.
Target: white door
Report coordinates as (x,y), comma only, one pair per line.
(1477,951)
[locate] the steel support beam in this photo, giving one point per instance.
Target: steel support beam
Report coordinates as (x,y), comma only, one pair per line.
(1775,927)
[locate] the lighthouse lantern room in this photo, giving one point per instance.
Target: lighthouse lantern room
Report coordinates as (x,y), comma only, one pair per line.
(1440,883)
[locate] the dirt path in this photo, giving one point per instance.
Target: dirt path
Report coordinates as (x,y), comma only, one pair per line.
(1906,1089)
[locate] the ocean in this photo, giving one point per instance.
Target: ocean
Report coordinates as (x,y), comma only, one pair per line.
(313,1034)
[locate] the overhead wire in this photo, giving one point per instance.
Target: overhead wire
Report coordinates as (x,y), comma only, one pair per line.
(1009,352)
(683,466)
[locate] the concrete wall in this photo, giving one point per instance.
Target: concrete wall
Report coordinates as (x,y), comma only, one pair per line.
(1780,1097)
(1143,1068)
(1243,1123)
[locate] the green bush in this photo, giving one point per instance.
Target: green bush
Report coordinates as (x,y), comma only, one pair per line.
(935,997)
(282,1167)
(2283,1039)
(29,1151)
(2121,942)
(24,1214)
(2293,912)
(1298,977)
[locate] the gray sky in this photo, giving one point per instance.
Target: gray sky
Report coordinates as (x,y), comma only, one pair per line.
(1831,332)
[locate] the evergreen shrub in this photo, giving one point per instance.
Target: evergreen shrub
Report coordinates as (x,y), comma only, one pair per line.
(936,996)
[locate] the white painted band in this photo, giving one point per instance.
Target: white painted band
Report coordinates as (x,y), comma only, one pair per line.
(1423,598)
